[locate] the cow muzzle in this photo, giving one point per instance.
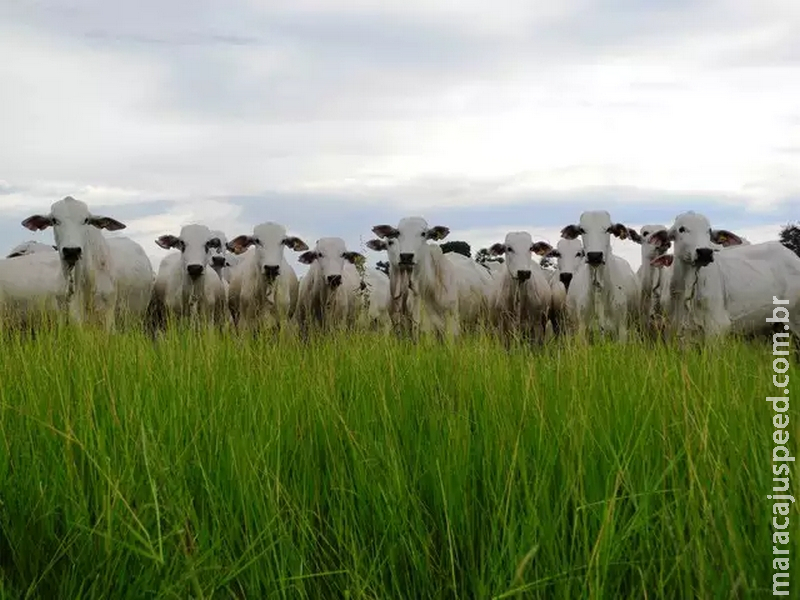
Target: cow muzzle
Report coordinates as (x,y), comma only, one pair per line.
(565,278)
(194,271)
(594,259)
(523,276)
(71,255)
(271,272)
(406,260)
(703,257)
(334,281)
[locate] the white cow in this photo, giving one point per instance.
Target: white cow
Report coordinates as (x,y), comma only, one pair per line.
(522,294)
(653,278)
(474,285)
(423,283)
(400,296)
(604,289)
(713,292)
(569,257)
(87,263)
(559,280)
(185,286)
(495,267)
(31,287)
(222,259)
(329,290)
(264,287)
(374,299)
(134,279)
(29,247)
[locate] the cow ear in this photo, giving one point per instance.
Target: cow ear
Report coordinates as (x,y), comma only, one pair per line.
(665,260)
(497,249)
(167,242)
(634,235)
(295,243)
(307,257)
(541,248)
(437,232)
(37,222)
(385,231)
(377,245)
(355,258)
(619,230)
(659,238)
(725,238)
(106,223)
(240,243)
(570,232)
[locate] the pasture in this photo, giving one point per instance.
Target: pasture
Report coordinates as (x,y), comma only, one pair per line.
(217,465)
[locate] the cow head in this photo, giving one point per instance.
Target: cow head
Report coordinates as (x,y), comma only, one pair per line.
(197,244)
(71,220)
(691,234)
(269,240)
(517,249)
(330,255)
(569,255)
(595,229)
(218,258)
(411,236)
(654,241)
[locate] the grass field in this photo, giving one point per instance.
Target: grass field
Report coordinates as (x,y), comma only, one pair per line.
(365,467)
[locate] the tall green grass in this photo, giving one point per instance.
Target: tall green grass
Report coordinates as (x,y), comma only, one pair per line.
(218,466)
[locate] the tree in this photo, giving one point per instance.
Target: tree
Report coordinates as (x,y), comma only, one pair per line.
(483,256)
(456,246)
(790,237)
(382,265)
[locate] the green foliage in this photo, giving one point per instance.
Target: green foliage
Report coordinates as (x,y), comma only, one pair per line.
(209,465)
(790,237)
(457,246)
(382,265)
(482,256)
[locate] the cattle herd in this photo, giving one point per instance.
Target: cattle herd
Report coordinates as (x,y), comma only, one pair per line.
(712,283)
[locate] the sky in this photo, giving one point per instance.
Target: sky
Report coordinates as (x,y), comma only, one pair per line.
(333,116)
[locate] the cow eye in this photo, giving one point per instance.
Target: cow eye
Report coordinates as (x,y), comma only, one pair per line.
(56,222)
(86,221)
(509,249)
(181,245)
(681,229)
